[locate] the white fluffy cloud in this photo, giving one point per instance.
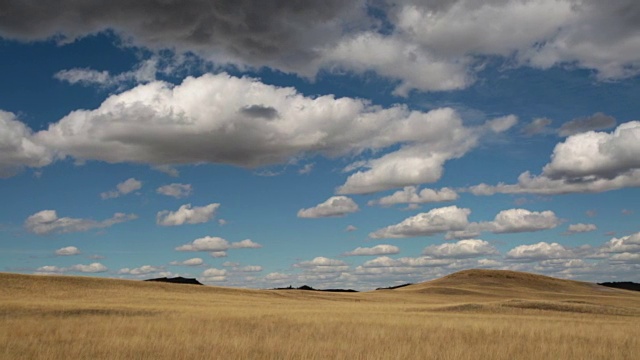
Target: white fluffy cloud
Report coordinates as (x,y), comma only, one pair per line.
(630,243)
(397,57)
(410,195)
(539,251)
(334,206)
(217,245)
(382,249)
(249,268)
(82,268)
(435,221)
(144,72)
(19,149)
(585,162)
(521,220)
(90,268)
(142,270)
(462,249)
(256,124)
(322,264)
(47,222)
(214,275)
(68,251)
(580,228)
(187,215)
(175,190)
(123,188)
(189,262)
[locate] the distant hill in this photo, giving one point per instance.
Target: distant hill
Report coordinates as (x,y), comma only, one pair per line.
(177,280)
(394,287)
(309,288)
(626,285)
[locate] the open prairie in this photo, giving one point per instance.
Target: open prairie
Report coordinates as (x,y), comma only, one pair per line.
(473,314)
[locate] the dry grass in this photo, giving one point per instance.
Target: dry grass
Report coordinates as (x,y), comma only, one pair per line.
(46,317)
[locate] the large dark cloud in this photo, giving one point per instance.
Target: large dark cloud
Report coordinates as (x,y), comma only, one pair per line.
(255,32)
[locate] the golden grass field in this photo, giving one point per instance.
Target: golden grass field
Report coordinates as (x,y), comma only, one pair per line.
(474,314)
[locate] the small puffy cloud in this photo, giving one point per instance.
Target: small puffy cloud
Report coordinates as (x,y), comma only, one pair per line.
(90,268)
(49,269)
(175,190)
(143,72)
(435,221)
(167,169)
(81,268)
(322,264)
(521,220)
(142,270)
(19,148)
(123,188)
(375,250)
(245,244)
(249,268)
(332,207)
(187,215)
(597,121)
(217,245)
(468,248)
(538,252)
(84,76)
(68,251)
(207,243)
(580,228)
(277,277)
(189,262)
(214,275)
(350,228)
(218,254)
(405,264)
(537,126)
(306,169)
(47,222)
(410,195)
(502,124)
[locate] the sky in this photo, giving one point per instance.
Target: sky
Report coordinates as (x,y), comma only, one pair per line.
(337,144)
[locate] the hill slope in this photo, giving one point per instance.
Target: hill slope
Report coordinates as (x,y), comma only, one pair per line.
(505,283)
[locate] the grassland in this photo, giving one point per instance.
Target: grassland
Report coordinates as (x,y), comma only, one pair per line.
(468,315)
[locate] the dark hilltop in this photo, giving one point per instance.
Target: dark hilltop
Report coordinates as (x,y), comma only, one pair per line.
(176,280)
